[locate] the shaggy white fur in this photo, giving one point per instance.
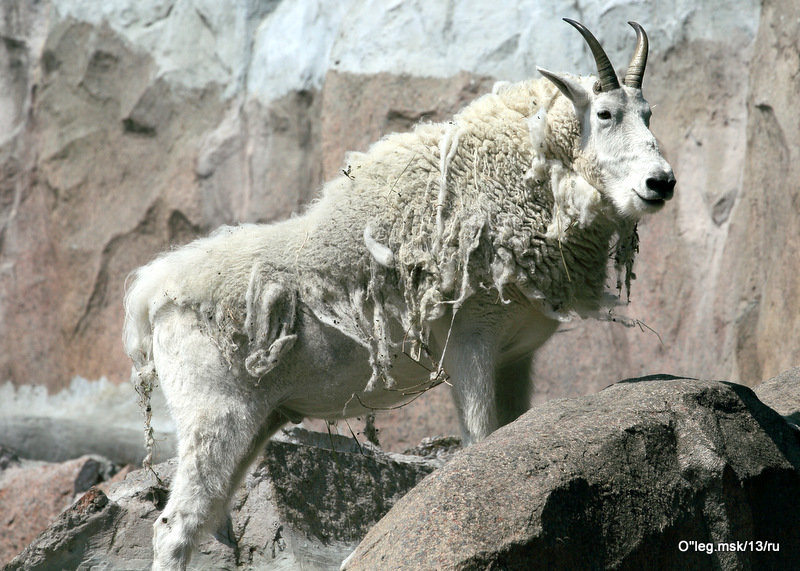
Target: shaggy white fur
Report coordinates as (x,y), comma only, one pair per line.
(450,251)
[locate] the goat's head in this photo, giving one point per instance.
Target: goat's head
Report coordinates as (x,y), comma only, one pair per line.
(617,151)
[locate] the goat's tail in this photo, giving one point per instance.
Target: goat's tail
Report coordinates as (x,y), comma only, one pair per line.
(141,302)
(146,292)
(137,331)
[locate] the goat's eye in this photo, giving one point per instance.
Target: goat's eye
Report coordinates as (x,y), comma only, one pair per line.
(604,115)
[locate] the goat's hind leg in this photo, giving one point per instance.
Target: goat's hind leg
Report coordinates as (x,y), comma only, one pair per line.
(223,422)
(201,491)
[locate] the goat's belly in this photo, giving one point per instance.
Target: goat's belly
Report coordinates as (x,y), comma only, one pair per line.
(330,371)
(339,394)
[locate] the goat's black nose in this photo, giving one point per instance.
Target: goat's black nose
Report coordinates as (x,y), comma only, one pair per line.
(663,185)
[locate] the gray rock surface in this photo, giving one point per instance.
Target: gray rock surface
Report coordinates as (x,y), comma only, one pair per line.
(782,394)
(59,440)
(614,480)
(764,247)
(304,505)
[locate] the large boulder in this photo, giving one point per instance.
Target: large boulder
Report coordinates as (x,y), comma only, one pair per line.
(304,505)
(656,473)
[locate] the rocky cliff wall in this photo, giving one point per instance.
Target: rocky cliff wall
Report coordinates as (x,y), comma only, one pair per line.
(129,127)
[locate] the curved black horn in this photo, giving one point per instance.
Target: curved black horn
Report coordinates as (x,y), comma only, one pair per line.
(608,77)
(635,73)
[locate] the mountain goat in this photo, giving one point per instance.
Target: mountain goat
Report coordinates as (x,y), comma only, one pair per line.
(450,252)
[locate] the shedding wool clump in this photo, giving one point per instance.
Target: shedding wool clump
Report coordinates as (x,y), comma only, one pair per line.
(489,200)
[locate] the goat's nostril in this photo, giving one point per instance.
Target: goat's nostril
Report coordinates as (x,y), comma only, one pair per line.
(662,186)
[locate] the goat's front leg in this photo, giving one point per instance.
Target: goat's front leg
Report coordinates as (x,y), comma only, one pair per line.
(471,371)
(469,359)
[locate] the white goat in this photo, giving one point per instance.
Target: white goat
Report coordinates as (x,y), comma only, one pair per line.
(449,252)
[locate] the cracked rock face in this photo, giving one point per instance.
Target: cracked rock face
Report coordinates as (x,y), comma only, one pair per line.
(136,126)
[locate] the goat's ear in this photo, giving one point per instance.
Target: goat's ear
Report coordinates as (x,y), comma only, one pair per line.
(571,89)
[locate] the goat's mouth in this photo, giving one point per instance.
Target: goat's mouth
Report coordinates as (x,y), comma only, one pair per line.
(657,202)
(651,203)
